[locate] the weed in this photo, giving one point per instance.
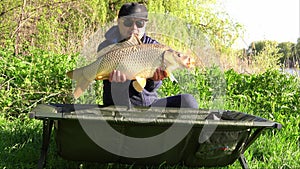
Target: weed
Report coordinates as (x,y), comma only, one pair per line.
(40,77)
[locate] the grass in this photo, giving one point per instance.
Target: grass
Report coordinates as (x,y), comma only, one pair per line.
(25,81)
(21,142)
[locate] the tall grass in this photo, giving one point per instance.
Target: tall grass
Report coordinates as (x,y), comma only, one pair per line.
(40,77)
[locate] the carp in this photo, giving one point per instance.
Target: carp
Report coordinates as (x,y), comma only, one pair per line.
(136,60)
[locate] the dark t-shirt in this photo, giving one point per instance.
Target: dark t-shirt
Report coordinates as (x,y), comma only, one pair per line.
(124,93)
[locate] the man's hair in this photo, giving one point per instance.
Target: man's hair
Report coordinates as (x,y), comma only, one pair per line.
(134,10)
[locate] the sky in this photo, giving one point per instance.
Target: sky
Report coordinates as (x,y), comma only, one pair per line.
(265,19)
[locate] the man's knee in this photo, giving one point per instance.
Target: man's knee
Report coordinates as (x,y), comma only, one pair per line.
(189,101)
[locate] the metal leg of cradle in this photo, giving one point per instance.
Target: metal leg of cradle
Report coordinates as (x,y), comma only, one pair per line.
(47,128)
(252,138)
(243,161)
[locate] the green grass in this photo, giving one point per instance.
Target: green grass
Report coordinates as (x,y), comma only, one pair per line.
(40,78)
(21,142)
(20,138)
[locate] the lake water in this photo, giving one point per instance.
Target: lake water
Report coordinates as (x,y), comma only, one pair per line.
(292,71)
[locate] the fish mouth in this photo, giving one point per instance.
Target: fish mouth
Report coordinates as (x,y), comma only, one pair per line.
(191,63)
(188,61)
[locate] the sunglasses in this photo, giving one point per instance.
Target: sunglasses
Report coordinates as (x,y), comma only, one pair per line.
(129,23)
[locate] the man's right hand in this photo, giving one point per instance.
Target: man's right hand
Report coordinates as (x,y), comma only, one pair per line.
(117,76)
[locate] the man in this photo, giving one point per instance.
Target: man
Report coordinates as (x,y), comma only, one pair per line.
(132,20)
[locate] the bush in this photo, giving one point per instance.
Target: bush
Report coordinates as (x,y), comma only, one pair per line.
(269,92)
(38,77)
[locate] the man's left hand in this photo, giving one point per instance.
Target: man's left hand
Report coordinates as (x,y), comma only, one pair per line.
(159,74)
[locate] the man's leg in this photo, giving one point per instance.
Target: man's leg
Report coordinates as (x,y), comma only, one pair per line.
(182,100)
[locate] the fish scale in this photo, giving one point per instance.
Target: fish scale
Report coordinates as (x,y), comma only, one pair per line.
(136,61)
(126,61)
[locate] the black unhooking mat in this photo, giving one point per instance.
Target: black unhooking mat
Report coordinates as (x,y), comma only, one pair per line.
(149,136)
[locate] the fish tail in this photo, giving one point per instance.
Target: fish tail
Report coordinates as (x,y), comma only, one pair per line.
(82,83)
(70,74)
(81,86)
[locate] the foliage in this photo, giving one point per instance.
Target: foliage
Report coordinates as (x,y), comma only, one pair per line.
(298,47)
(273,95)
(269,92)
(57,25)
(267,58)
(205,16)
(208,86)
(289,52)
(287,49)
(33,32)
(31,79)
(20,138)
(63,26)
(27,81)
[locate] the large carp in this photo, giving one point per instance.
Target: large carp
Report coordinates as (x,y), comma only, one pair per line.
(136,60)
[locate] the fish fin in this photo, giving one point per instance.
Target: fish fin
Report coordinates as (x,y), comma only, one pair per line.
(70,74)
(131,41)
(172,78)
(81,86)
(139,84)
(99,78)
(81,82)
(136,39)
(106,50)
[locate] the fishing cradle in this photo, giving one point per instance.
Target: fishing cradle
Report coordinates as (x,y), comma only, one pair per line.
(213,138)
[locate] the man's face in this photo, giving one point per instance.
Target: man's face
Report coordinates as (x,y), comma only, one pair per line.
(129,26)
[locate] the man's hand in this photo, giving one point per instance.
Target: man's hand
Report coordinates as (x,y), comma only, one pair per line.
(117,76)
(159,74)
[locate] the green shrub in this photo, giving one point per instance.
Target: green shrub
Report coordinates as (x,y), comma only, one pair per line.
(266,93)
(38,77)
(207,86)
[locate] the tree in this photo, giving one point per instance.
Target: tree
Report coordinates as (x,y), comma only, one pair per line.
(64,25)
(257,46)
(287,49)
(268,57)
(297,52)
